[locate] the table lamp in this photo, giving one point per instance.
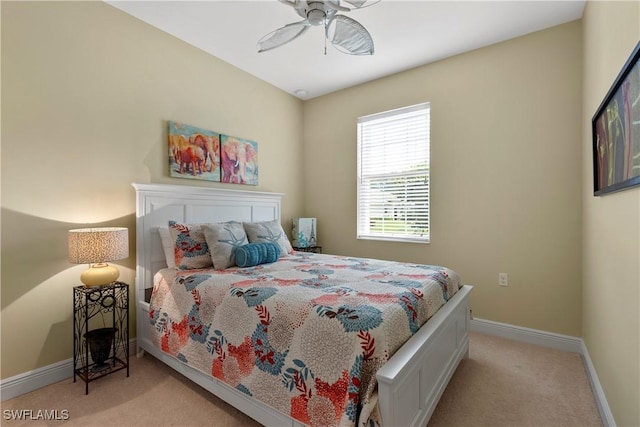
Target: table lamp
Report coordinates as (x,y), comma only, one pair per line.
(97,246)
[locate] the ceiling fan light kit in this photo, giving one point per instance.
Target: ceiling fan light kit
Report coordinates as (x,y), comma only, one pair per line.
(316,16)
(345,33)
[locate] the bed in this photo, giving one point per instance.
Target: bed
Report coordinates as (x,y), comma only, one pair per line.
(403,380)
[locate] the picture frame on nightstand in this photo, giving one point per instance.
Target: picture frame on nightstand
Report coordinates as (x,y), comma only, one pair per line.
(303,232)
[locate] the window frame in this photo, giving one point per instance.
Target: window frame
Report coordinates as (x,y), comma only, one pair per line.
(363,231)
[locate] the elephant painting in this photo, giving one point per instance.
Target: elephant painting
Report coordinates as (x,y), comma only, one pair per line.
(238,160)
(193,152)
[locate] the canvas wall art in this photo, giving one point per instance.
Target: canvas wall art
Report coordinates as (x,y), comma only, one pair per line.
(194,153)
(616,132)
(238,160)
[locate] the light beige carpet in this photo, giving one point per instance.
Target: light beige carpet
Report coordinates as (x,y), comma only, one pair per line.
(507,383)
(503,383)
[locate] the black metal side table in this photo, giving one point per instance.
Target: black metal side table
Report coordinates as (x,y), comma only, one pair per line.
(314,249)
(100,331)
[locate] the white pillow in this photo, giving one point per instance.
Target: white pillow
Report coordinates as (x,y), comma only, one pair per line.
(223,239)
(268,231)
(167,246)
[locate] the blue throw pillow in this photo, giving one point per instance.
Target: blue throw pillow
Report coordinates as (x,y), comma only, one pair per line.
(257,253)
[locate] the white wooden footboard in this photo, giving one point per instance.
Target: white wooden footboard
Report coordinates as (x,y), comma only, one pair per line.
(412,381)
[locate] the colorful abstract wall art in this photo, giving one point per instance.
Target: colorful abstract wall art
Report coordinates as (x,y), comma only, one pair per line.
(616,132)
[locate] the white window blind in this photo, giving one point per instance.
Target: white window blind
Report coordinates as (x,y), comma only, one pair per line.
(393,175)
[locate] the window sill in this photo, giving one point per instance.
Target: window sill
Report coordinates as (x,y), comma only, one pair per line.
(423,240)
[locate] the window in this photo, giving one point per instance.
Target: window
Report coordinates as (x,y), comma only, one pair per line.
(393,175)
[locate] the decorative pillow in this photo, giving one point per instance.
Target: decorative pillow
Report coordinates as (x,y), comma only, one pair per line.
(167,246)
(190,247)
(257,253)
(268,231)
(223,239)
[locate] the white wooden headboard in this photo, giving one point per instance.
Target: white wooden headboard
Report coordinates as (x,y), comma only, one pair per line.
(156,204)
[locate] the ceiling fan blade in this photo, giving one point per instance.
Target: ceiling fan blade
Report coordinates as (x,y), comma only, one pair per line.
(359,4)
(349,36)
(335,4)
(282,35)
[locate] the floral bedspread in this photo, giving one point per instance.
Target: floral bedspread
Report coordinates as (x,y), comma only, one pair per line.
(304,335)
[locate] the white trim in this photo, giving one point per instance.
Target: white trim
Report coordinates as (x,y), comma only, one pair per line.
(32,380)
(531,336)
(555,341)
(598,392)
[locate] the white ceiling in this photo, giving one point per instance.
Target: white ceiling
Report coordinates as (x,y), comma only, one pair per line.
(406,34)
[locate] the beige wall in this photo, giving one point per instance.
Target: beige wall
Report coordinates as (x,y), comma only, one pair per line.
(86,95)
(83,81)
(611,224)
(506,173)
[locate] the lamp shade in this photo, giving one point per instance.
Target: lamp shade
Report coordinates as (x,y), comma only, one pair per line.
(96,245)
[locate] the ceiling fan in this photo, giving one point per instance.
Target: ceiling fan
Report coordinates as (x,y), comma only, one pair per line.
(346,34)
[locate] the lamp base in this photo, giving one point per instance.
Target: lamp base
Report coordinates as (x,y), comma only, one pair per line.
(99,274)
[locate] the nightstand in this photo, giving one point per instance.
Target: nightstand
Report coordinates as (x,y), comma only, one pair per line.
(100,331)
(314,249)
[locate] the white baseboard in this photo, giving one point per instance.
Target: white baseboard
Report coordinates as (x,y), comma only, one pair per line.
(41,377)
(531,336)
(598,392)
(33,380)
(555,341)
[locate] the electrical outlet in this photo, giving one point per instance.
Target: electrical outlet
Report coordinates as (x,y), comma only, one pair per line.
(503,279)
